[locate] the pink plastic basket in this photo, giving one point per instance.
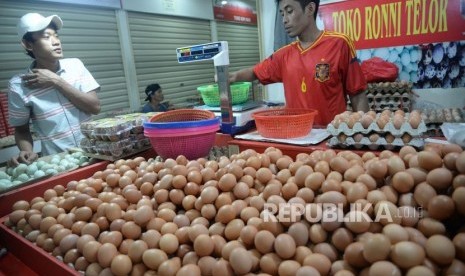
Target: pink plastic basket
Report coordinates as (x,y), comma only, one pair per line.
(191,146)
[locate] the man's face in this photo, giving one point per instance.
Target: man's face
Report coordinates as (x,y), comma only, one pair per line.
(295,19)
(158,96)
(46,45)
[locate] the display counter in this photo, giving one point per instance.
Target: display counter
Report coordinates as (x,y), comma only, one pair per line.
(37,189)
(17,260)
(28,259)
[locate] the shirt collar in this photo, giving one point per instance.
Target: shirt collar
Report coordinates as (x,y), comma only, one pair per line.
(60,68)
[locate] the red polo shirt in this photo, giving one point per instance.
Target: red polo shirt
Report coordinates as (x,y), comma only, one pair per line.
(318,77)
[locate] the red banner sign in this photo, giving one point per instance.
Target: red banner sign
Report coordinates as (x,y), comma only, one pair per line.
(235,11)
(385,23)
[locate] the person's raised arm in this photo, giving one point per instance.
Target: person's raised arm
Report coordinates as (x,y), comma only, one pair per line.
(87,102)
(246,74)
(359,102)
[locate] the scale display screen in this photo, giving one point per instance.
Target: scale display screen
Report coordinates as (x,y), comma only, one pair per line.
(198,52)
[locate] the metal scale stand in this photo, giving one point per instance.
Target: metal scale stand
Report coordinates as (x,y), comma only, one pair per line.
(219,52)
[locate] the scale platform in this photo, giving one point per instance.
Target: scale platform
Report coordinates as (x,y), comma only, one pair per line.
(242,116)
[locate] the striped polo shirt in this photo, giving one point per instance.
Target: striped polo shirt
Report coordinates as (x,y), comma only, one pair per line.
(56,121)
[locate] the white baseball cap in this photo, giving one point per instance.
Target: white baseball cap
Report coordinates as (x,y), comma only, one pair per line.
(33,22)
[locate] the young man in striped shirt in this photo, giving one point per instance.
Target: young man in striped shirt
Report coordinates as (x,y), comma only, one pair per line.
(56,94)
(318,70)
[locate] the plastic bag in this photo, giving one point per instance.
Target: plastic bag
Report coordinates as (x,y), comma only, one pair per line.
(377,70)
(454,132)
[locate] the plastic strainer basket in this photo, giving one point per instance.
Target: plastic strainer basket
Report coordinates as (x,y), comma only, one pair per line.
(188,132)
(284,122)
(211,95)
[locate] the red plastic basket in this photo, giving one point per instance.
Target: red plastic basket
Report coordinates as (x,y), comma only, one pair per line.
(182,115)
(284,122)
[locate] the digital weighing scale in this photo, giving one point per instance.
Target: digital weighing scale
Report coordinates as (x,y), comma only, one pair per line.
(231,123)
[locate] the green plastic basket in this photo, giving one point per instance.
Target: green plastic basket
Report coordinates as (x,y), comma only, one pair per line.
(211,95)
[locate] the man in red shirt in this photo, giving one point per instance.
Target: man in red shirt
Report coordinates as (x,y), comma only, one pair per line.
(318,70)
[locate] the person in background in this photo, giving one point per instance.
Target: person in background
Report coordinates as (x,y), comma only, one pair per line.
(155,99)
(53,93)
(318,70)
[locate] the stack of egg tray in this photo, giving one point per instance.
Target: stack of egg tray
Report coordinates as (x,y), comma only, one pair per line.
(114,137)
(375,138)
(434,118)
(389,96)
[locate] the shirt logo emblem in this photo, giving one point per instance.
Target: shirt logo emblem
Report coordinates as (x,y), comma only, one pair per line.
(322,72)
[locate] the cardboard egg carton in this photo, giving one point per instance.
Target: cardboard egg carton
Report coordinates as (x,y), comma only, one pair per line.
(443,115)
(389,87)
(380,143)
(373,127)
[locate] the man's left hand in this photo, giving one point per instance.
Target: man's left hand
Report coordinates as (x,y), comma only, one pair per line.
(40,78)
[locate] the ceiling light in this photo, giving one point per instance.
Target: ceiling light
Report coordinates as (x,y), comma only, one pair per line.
(224,2)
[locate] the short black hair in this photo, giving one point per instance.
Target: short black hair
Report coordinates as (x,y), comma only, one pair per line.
(150,90)
(30,38)
(304,3)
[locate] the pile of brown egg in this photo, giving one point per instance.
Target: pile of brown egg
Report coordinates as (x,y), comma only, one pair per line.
(200,217)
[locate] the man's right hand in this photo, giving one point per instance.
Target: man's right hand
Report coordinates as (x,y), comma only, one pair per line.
(26,157)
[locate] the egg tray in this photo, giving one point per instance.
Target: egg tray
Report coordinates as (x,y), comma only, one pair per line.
(391,105)
(380,109)
(389,87)
(365,142)
(387,96)
(140,144)
(445,115)
(373,127)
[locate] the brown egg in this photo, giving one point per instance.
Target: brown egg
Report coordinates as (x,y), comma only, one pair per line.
(430,227)
(233,229)
(403,182)
(318,261)
(441,207)
(460,162)
(406,254)
(395,233)
(203,245)
(429,160)
(439,178)
(153,258)
(121,265)
(284,246)
(440,249)
(90,251)
(269,263)
(169,243)
(240,260)
(458,196)
(376,248)
(170,266)
(130,230)
(384,268)
(423,194)
(68,242)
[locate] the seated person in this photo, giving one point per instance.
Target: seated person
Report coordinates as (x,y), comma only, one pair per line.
(155,99)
